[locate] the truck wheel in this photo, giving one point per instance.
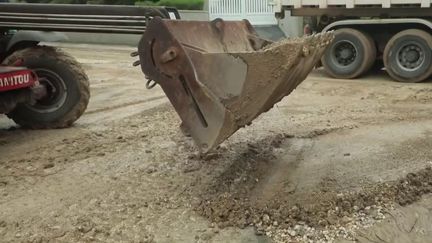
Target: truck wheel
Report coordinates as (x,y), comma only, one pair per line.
(408,56)
(66,83)
(351,54)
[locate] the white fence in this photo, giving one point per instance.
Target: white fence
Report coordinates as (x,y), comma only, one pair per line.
(258,12)
(354,3)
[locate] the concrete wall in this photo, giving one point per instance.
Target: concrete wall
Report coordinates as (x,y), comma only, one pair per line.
(194,15)
(123,39)
(112,39)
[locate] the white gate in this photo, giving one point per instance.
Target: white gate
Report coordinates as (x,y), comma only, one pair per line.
(258,12)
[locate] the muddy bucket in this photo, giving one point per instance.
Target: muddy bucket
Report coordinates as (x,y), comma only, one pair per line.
(220,75)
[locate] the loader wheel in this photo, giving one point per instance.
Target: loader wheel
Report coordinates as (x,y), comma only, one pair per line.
(408,56)
(351,54)
(66,83)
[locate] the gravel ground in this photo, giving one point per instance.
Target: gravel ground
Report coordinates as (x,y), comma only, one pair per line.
(336,161)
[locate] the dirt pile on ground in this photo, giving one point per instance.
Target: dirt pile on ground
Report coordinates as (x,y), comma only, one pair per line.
(229,201)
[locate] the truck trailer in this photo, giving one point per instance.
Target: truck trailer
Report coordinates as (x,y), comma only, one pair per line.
(370,34)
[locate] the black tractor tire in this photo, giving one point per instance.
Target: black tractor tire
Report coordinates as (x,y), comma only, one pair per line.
(351,54)
(67,86)
(408,56)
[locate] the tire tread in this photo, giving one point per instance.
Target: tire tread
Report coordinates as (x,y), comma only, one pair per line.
(81,78)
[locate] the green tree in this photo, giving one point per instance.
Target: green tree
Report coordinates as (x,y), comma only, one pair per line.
(180,4)
(116,2)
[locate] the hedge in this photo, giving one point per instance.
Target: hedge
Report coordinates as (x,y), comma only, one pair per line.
(179,4)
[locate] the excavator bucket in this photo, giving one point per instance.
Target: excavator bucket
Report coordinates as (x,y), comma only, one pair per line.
(220,75)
